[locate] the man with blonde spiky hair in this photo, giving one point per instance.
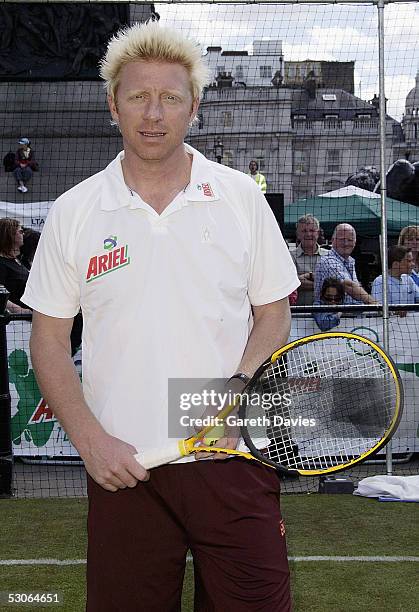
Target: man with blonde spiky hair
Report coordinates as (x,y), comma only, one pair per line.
(172,259)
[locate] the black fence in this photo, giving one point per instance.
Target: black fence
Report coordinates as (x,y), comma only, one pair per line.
(38,460)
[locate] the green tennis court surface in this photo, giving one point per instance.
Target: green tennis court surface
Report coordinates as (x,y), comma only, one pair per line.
(33,531)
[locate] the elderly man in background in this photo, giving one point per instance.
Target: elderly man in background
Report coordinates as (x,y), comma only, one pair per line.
(339,264)
(306,255)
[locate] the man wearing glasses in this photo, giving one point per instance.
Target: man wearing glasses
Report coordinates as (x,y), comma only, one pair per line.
(332,293)
(339,264)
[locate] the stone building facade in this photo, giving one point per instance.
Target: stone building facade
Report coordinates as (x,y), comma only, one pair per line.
(306,140)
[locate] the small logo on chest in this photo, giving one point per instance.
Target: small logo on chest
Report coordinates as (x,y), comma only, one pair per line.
(206,190)
(205,236)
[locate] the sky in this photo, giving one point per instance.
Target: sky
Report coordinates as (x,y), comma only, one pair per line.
(323,32)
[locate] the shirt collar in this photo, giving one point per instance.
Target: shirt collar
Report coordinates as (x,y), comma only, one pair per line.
(116,194)
(299,251)
(348,260)
(202,186)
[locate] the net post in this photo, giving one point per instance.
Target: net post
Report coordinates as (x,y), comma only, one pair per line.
(383,194)
(6,450)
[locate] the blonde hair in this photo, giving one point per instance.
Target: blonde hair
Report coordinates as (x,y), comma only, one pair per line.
(152,42)
(407,232)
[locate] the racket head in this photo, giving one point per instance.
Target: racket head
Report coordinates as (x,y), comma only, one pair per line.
(345,382)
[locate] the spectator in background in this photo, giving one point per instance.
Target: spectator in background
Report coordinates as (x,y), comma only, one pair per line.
(25,164)
(306,255)
(257,176)
(322,238)
(402,289)
(332,293)
(27,250)
(409,237)
(338,263)
(293,298)
(13,274)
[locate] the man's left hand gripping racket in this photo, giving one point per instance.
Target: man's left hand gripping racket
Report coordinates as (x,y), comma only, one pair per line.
(343,402)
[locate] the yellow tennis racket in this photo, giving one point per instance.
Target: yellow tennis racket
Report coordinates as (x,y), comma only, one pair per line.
(318,405)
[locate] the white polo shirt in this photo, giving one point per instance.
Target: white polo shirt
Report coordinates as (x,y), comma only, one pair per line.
(163,296)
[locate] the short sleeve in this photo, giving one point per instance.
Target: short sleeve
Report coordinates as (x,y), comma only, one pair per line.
(272,274)
(415,288)
(293,254)
(377,289)
(53,287)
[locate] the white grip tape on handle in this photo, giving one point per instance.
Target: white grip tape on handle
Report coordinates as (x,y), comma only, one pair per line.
(159,456)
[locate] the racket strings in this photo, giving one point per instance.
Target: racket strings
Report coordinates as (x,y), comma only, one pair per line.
(338,402)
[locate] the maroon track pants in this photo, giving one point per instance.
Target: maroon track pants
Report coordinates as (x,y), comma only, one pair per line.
(225,512)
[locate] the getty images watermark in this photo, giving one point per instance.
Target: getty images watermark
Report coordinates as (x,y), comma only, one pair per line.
(197,403)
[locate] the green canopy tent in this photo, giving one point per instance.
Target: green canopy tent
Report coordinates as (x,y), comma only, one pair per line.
(360,208)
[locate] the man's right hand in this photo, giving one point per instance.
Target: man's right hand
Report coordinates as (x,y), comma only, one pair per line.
(110,462)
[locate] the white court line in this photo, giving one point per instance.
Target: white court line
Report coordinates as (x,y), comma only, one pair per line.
(375,559)
(362,559)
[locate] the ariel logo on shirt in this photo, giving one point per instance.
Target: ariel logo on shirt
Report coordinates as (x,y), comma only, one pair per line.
(207,190)
(110,243)
(114,259)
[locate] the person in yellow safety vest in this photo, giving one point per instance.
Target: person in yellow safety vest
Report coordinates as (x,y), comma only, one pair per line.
(257,176)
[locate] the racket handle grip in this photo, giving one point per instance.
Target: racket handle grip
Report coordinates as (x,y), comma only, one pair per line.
(154,457)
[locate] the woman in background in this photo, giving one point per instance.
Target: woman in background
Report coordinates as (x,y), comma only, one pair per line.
(332,292)
(27,250)
(409,237)
(13,274)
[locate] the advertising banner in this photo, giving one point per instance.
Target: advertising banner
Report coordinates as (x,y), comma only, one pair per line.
(30,214)
(36,432)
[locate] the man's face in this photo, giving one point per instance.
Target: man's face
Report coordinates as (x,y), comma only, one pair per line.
(331,295)
(412,242)
(307,234)
(253,167)
(153,108)
(407,264)
(344,241)
(19,237)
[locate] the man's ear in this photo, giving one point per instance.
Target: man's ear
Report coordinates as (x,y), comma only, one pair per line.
(194,109)
(113,108)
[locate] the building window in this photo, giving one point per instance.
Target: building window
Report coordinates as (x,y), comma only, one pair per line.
(259,157)
(332,185)
(239,71)
(227,118)
(258,117)
(265,72)
(300,121)
(331,121)
(333,161)
(228,158)
(300,162)
(221,69)
(300,194)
